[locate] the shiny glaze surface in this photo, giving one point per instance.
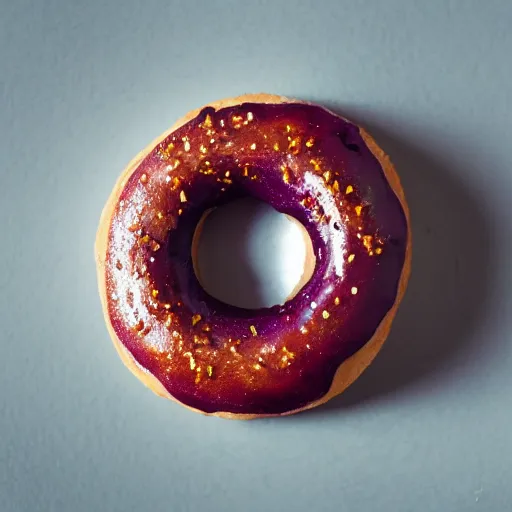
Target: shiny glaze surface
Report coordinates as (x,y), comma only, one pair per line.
(302,160)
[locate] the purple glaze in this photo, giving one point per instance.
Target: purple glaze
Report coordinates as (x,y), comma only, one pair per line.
(341,149)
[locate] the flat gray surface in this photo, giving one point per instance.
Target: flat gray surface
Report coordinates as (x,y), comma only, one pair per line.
(85,85)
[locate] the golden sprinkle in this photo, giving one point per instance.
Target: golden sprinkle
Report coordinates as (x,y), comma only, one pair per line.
(168,320)
(233,349)
(175,183)
(358,210)
(316,164)
(212,141)
(349,189)
(253,330)
(203,149)
(337,301)
(167,306)
(198,376)
(209,370)
(353,290)
(207,123)
(250,116)
(143,178)
(154,293)
(288,128)
(325,314)
(155,246)
(367,242)
(253,146)
(183,197)
(237,120)
(196,319)
(180,211)
(308,346)
(327,176)
(286,173)
(378,250)
(287,358)
(225,180)
(257,366)
(336,186)
(294,146)
(227,173)
(160,215)
(310,142)
(276,146)
(304,329)
(186,146)
(308,202)
(201,341)
(166,152)
(246,171)
(192,361)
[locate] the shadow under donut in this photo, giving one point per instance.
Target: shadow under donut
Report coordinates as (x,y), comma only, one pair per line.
(449,287)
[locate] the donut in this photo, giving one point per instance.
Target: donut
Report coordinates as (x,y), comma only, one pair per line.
(218,359)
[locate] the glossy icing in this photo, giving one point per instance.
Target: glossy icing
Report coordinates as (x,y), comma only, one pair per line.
(302,160)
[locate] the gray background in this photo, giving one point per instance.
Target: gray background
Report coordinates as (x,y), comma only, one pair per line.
(85,85)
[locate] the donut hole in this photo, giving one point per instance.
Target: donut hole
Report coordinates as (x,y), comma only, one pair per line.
(247,254)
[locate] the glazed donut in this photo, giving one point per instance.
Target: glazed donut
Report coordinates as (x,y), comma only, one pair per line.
(218,359)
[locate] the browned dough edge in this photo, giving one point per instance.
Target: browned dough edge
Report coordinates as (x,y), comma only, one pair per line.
(351,368)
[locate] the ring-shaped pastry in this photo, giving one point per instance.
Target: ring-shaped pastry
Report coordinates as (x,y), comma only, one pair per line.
(306,162)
